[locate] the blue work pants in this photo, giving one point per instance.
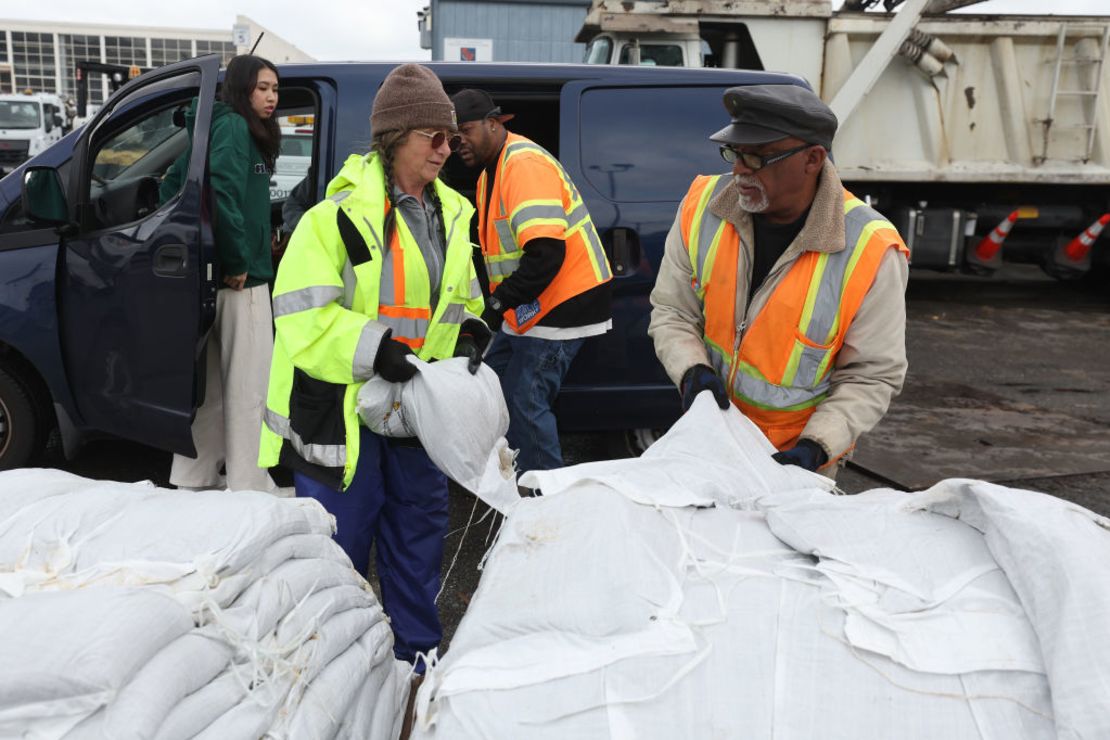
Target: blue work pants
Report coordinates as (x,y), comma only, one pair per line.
(398,499)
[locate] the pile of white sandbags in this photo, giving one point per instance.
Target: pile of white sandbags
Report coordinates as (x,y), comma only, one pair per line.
(128,611)
(703,590)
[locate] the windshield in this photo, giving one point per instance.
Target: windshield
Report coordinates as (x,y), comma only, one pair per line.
(19,114)
(598,51)
(296,145)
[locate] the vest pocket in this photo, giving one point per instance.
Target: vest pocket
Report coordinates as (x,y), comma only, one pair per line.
(318,445)
(813,361)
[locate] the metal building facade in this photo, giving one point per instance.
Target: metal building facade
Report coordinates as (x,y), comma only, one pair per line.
(507,30)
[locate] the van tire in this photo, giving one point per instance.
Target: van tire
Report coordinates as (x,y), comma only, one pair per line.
(20,422)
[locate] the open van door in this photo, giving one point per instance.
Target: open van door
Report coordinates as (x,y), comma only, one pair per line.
(136,285)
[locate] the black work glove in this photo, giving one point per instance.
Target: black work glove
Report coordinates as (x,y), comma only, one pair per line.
(391,362)
(702,378)
(806,454)
(474,337)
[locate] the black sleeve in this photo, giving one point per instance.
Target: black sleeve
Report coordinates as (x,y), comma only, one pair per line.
(541,262)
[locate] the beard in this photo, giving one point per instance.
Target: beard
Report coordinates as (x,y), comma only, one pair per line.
(752,204)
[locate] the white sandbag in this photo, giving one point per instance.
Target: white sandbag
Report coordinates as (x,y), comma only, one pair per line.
(1054,553)
(378,710)
(65,655)
(708,456)
(24,486)
(329,697)
(458,417)
(910,580)
(256,610)
(204,706)
(848,624)
(182,667)
(115,534)
(315,609)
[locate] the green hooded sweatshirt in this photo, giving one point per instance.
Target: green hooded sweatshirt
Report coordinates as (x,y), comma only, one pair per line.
(241,184)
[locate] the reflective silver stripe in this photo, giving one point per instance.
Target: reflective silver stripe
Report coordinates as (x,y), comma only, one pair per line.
(387,291)
(578,215)
(350,282)
(362,366)
(453,314)
(340,196)
(530,212)
(475,288)
(502,268)
(404,327)
(594,244)
(316,296)
(506,237)
(330,456)
(373,234)
(451,231)
(775,396)
(708,230)
(831,288)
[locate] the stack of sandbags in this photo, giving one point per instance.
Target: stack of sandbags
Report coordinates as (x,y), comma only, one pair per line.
(127,611)
(706,591)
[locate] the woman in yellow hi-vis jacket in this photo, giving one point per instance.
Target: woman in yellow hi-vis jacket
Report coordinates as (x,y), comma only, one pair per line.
(379,270)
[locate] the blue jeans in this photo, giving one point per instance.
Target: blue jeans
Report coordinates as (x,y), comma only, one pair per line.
(398,498)
(531,372)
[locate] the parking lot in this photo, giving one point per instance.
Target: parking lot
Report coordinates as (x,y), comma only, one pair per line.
(1008,382)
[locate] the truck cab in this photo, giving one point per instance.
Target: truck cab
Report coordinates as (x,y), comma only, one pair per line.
(29,124)
(110,290)
(648,50)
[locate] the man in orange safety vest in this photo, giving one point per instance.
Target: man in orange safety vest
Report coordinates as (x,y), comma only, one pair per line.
(779,290)
(549,278)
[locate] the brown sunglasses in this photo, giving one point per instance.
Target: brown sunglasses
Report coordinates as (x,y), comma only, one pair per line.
(454,141)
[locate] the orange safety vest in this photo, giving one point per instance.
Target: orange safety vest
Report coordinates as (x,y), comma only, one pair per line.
(777,371)
(526,209)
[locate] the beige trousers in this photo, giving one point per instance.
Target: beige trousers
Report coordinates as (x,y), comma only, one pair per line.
(227,427)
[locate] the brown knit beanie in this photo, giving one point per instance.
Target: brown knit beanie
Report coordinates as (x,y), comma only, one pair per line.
(411,97)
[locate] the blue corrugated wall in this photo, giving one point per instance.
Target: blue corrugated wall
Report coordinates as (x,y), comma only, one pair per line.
(521,31)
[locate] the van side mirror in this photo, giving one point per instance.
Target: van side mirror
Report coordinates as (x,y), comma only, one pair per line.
(44,198)
(58,121)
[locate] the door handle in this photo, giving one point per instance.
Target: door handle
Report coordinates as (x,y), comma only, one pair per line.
(170,260)
(622,246)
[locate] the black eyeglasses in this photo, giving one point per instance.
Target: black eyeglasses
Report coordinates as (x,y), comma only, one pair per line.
(755,161)
(454,141)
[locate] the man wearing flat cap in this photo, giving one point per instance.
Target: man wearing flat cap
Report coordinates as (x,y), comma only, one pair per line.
(779,290)
(549,278)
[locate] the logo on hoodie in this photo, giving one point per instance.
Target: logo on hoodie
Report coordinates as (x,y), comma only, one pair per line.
(260,168)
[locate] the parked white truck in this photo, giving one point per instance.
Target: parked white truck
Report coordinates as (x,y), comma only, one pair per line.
(29,123)
(950,123)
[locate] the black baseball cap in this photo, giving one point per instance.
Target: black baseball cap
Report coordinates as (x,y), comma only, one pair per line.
(477,105)
(765,113)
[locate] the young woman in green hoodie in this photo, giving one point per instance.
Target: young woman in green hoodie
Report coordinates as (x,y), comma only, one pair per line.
(243,145)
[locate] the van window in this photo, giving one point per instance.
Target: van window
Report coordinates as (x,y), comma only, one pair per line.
(19,114)
(648,143)
(655,55)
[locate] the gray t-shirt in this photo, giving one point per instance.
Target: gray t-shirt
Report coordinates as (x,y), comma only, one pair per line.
(424,223)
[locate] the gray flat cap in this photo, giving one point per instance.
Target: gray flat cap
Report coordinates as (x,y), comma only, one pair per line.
(765,113)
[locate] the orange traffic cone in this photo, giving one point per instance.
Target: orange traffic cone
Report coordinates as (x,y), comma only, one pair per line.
(1078,247)
(992,242)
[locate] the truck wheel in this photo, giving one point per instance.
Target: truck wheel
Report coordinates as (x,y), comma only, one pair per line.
(19,422)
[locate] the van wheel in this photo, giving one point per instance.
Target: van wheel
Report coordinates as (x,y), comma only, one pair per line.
(633,442)
(20,422)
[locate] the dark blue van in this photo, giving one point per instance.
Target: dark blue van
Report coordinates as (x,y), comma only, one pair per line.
(106,296)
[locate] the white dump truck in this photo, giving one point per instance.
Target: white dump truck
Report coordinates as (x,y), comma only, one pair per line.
(29,123)
(956,126)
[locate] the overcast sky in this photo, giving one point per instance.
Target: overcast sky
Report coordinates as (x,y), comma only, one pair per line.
(339,29)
